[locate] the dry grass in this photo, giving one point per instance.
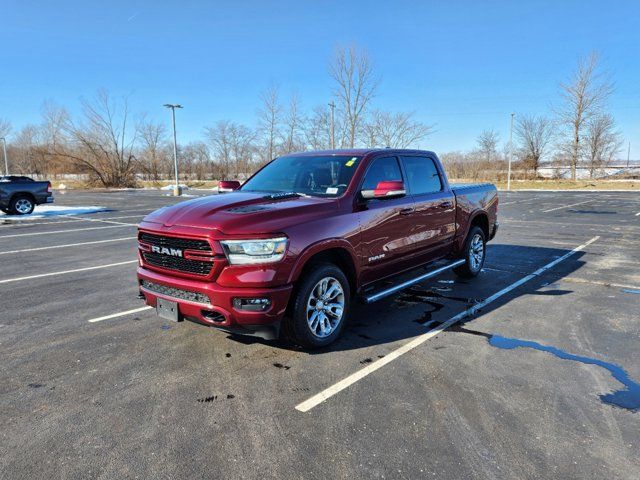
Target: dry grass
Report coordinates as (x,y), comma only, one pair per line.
(565,184)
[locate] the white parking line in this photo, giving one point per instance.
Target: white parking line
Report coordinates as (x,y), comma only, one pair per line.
(120,314)
(67,231)
(388,358)
(109,221)
(30,277)
(568,206)
(638,214)
(68,245)
(67,219)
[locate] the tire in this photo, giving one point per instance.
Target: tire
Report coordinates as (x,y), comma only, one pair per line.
(474,254)
(21,205)
(313,323)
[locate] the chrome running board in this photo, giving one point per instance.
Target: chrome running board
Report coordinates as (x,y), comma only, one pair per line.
(401,286)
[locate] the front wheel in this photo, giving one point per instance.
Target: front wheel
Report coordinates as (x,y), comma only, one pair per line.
(474,253)
(320,306)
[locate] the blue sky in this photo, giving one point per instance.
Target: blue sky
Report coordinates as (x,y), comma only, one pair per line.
(463,66)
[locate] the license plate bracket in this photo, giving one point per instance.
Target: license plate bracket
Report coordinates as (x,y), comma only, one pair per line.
(167,309)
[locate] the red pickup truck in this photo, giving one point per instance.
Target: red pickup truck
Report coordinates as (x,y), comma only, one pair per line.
(288,251)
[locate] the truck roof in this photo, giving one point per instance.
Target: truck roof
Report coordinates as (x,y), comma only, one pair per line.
(358,151)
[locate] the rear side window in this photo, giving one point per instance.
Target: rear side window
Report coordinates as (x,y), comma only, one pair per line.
(381,170)
(422,175)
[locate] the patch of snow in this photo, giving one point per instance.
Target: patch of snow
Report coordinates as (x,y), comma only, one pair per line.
(171,187)
(45,211)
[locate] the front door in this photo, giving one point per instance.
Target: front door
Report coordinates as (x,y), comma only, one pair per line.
(385,224)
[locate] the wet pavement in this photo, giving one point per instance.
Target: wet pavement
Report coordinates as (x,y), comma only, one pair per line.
(540,382)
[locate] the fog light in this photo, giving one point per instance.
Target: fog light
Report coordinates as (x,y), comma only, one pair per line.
(252,304)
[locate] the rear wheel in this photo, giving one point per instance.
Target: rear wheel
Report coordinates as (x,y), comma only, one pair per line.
(21,205)
(320,306)
(474,253)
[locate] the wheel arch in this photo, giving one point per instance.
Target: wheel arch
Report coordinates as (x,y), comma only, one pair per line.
(336,251)
(29,195)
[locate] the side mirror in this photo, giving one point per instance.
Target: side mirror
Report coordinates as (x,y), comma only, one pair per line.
(385,189)
(225,186)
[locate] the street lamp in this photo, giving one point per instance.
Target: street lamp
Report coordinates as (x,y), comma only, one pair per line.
(510,152)
(4,149)
(176,189)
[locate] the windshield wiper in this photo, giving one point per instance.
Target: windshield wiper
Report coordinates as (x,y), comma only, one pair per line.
(279,195)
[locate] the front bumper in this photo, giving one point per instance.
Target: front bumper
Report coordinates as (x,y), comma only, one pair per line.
(220,312)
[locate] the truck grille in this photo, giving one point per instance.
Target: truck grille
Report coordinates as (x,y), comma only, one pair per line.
(176,292)
(177,263)
(174,242)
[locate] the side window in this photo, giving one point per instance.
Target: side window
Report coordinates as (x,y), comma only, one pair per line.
(422,175)
(382,169)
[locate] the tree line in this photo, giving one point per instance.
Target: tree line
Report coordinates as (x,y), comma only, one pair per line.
(111,147)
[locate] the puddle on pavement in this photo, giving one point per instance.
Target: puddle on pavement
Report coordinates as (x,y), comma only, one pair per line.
(628,398)
(631,290)
(431,297)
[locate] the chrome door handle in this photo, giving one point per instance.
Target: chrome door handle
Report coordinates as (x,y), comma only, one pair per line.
(446,205)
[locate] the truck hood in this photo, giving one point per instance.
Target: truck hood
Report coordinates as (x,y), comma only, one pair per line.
(242,213)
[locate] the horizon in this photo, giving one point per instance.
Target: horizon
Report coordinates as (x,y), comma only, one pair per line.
(463,70)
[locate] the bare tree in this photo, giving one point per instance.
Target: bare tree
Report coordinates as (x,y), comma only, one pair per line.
(317,131)
(53,139)
(602,140)
(488,144)
(584,97)
(5,127)
(219,140)
(533,135)
(293,126)
(233,147)
(153,157)
(28,153)
(270,120)
(395,130)
(198,163)
(242,149)
(355,87)
(103,143)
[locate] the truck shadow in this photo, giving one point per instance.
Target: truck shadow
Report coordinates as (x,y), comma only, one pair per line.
(416,309)
(422,306)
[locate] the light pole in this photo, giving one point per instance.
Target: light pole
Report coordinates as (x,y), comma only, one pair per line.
(4,149)
(510,152)
(176,189)
(333,141)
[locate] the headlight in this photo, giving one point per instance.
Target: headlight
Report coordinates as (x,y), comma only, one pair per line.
(245,252)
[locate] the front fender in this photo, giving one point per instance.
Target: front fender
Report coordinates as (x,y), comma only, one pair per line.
(319,247)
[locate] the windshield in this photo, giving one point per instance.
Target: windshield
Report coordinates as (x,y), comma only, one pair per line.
(321,176)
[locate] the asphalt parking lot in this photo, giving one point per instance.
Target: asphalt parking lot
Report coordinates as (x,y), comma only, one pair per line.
(538,380)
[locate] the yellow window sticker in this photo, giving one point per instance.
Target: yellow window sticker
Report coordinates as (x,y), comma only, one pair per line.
(351,162)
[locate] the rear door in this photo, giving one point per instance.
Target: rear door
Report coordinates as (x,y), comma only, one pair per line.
(385,224)
(434,218)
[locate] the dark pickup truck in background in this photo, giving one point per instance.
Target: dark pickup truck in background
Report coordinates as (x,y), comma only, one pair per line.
(286,252)
(19,195)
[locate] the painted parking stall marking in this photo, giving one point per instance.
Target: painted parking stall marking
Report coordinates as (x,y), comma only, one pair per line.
(567,206)
(64,272)
(37,249)
(388,358)
(120,314)
(68,231)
